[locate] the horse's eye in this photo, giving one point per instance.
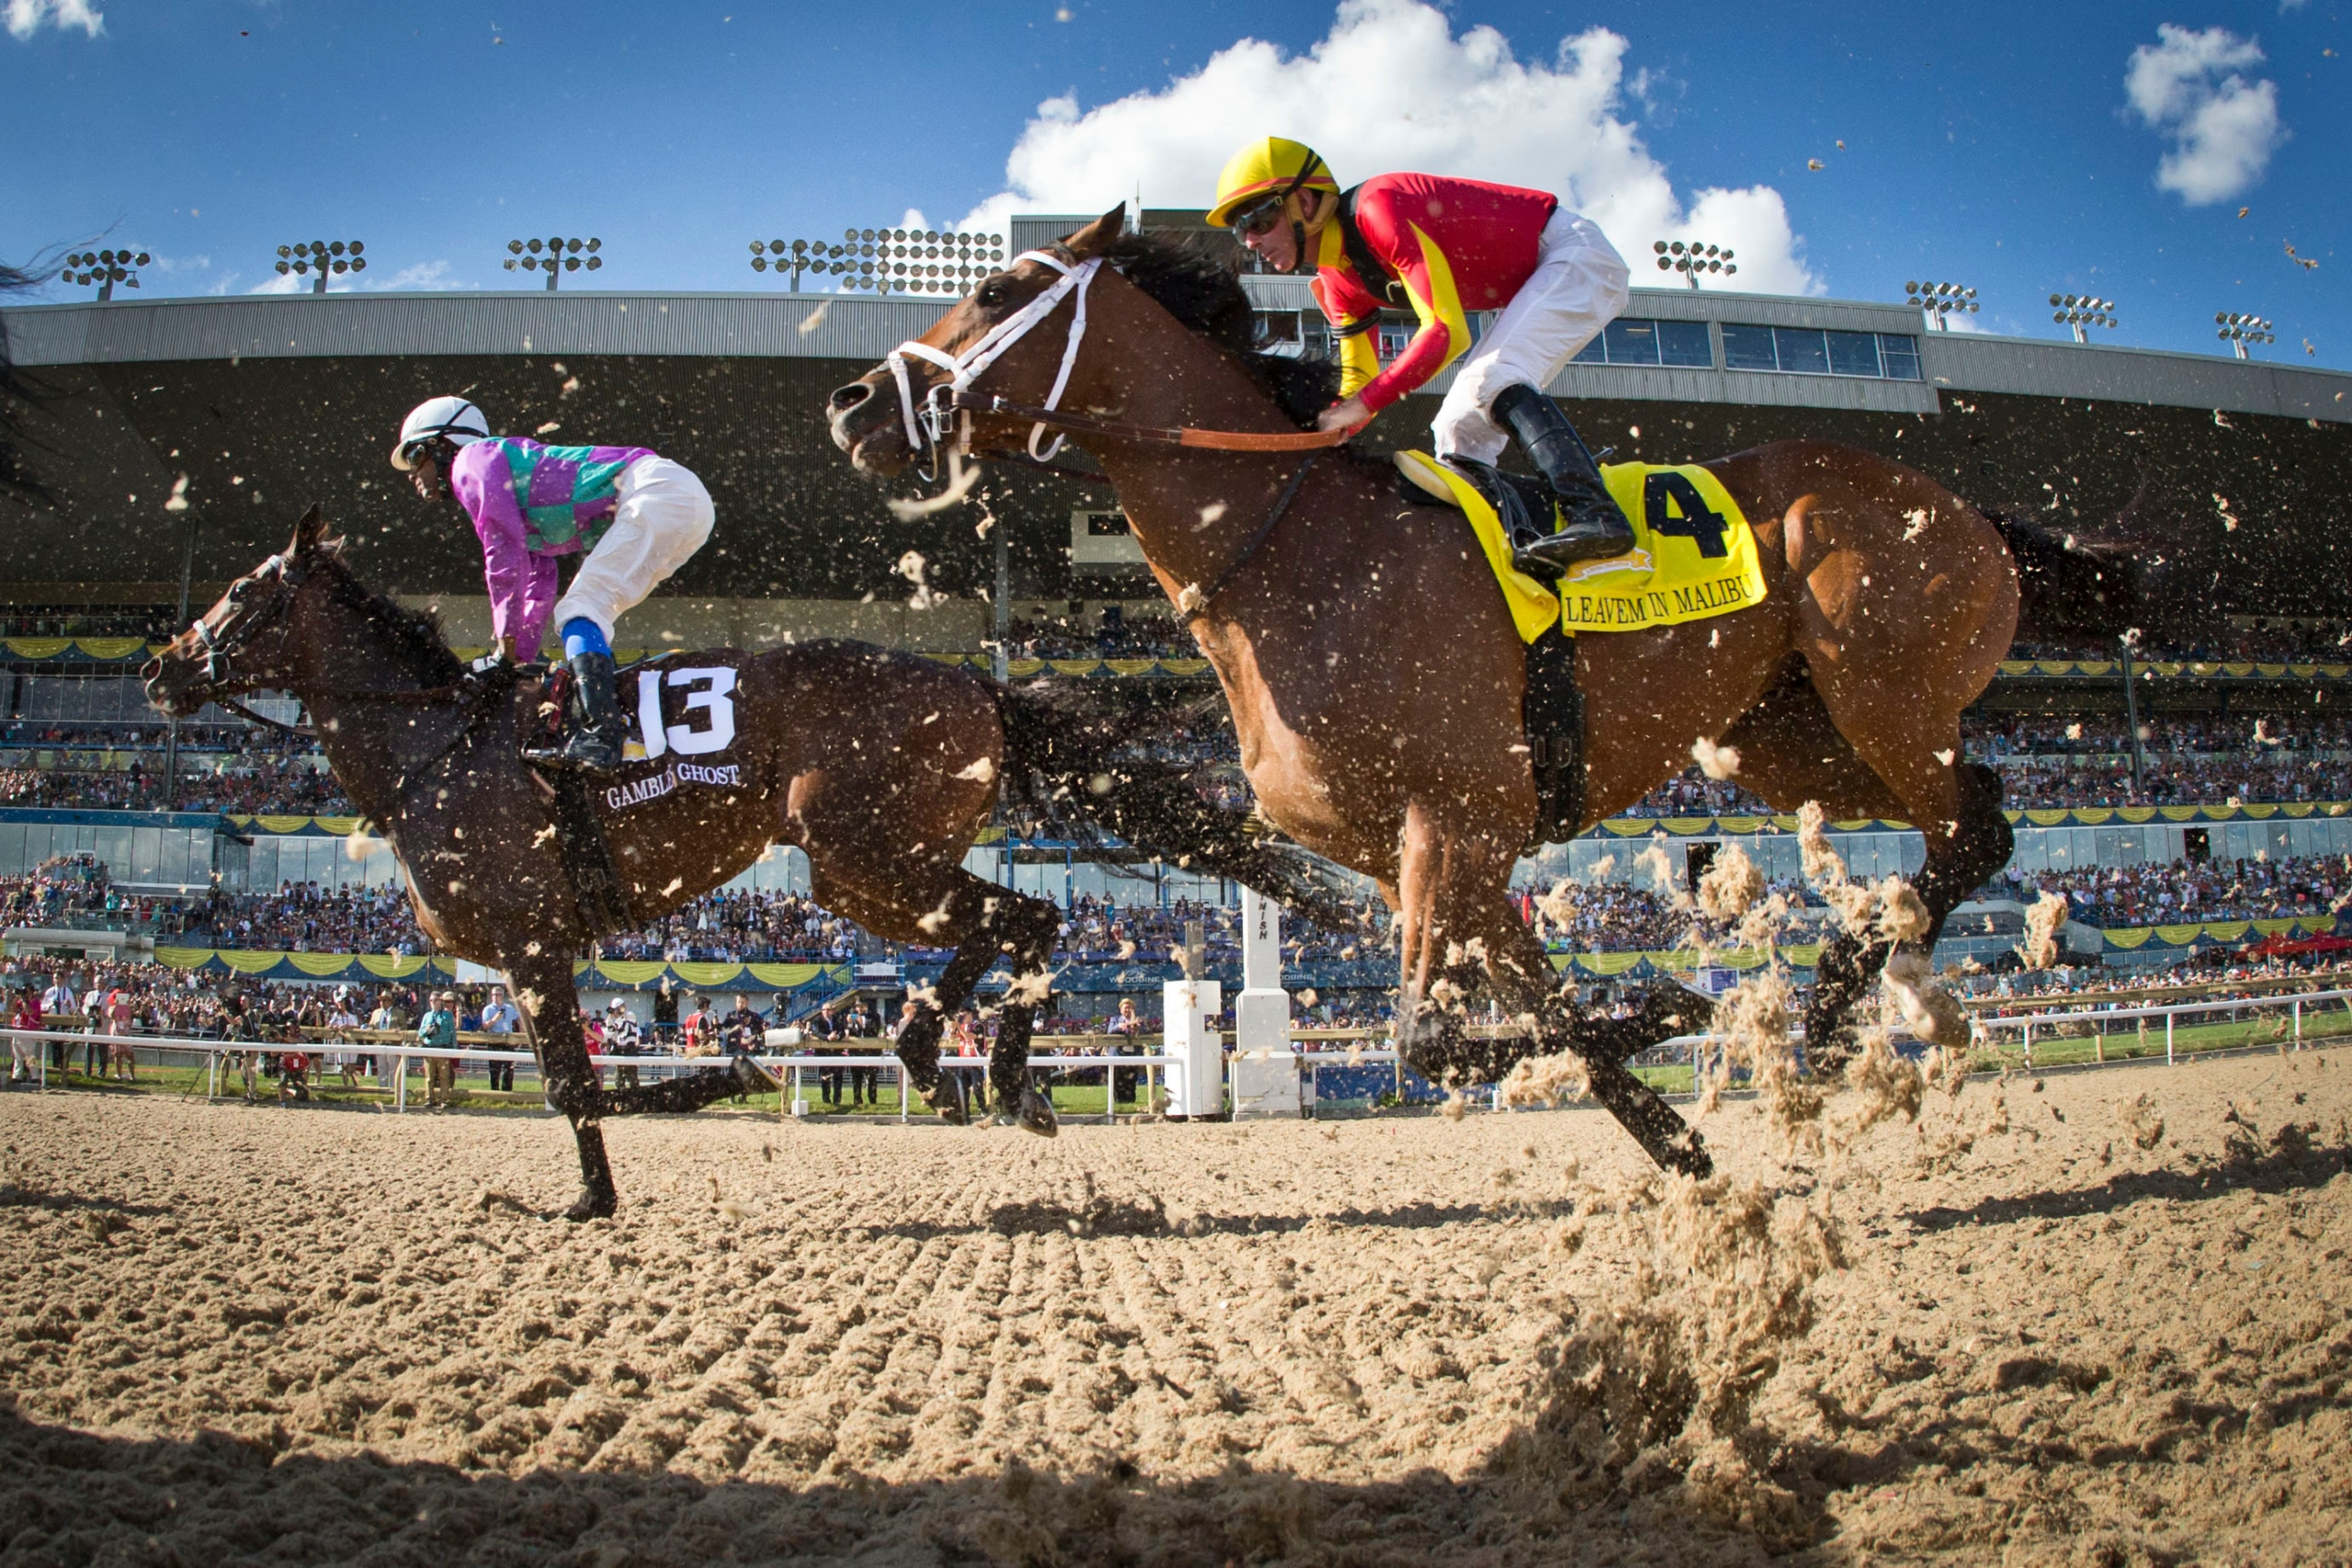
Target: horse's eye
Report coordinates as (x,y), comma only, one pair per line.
(991,294)
(237,592)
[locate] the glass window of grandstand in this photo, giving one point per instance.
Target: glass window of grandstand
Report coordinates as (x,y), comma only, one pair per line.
(1634,340)
(1809,351)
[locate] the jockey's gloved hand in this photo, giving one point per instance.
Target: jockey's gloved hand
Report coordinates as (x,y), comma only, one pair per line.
(489,661)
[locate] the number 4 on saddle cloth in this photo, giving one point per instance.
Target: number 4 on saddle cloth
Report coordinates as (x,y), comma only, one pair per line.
(1693,558)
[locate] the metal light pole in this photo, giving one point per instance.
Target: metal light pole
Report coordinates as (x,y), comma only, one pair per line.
(2079,312)
(322,257)
(887,261)
(1692,259)
(561,256)
(2238,329)
(1940,299)
(106,268)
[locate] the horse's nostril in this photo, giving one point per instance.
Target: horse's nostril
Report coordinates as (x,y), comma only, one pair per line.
(847,398)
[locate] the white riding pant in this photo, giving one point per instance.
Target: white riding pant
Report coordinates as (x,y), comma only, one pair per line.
(661,516)
(1577,288)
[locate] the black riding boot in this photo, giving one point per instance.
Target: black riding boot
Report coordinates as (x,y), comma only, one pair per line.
(593,742)
(1593,527)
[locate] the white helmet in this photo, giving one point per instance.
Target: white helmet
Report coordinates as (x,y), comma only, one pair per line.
(450,419)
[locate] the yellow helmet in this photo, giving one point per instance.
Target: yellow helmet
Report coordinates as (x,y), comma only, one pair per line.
(1270,166)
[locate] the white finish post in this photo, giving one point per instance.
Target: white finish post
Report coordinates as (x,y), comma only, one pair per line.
(1196,1053)
(1265,1069)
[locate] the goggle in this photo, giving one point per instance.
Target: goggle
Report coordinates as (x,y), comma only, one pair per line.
(1261,216)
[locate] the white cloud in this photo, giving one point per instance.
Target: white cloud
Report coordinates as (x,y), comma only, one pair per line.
(2190,87)
(25,18)
(1478,110)
(283,283)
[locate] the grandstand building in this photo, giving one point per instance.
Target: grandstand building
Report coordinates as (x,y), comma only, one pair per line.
(177,440)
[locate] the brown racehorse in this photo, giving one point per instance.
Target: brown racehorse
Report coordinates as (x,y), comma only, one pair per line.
(1375,675)
(883,766)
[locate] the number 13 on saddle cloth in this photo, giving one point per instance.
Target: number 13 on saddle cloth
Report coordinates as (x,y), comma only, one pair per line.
(1693,555)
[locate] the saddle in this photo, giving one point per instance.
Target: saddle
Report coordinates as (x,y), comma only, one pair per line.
(598,893)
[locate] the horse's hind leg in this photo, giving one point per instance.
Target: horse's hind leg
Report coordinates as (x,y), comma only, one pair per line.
(963,918)
(550,1007)
(1792,751)
(1453,915)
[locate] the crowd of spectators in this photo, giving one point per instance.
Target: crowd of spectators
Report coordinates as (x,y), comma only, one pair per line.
(2054,761)
(254,785)
(2219,641)
(2180,892)
(1117,632)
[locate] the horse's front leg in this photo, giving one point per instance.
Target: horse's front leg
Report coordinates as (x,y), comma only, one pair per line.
(1438,966)
(1026,929)
(550,1006)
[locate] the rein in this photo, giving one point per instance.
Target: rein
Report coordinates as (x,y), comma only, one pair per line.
(1199,606)
(1163,435)
(927,425)
(478,689)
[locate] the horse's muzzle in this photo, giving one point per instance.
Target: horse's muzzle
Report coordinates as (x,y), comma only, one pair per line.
(172,684)
(866,424)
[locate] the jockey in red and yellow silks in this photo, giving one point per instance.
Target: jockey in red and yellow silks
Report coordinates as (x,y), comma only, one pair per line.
(1446,248)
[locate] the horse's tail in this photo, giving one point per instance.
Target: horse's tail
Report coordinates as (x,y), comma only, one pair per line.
(1078,757)
(2073,588)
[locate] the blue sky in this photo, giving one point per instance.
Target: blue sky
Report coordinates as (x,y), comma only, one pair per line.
(1983,143)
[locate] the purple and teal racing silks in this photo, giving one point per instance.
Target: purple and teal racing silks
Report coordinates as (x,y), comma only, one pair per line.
(530,503)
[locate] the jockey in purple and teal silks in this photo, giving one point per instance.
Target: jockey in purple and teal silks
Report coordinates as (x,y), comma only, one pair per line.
(636,515)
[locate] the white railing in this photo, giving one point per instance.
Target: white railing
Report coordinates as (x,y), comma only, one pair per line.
(792,1070)
(2170,1012)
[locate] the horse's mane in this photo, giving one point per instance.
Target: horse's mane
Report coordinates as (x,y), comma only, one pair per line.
(413,635)
(1199,283)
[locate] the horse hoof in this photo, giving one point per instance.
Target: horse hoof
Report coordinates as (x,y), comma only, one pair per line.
(1036,1115)
(592,1205)
(951,1113)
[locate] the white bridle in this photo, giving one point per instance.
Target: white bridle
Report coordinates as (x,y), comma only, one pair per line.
(927,428)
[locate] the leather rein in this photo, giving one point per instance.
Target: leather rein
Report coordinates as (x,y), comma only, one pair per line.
(476,689)
(929,423)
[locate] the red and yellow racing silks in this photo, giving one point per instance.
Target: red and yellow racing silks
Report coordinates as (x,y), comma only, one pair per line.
(1457,245)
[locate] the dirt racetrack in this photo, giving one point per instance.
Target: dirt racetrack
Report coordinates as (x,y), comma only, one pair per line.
(2100,1319)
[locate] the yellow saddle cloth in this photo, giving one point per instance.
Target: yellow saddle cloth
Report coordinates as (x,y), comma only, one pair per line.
(1693,555)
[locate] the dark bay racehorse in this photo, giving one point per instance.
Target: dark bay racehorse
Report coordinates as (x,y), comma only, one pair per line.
(1376,677)
(882,766)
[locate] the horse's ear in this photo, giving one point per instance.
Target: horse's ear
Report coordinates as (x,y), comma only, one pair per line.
(310,530)
(1097,237)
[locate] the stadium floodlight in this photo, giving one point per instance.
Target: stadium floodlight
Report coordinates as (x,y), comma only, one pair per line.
(554,257)
(106,268)
(320,258)
(1692,259)
(2081,312)
(1940,299)
(887,261)
(2239,329)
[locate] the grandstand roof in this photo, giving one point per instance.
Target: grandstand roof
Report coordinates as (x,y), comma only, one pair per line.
(265,403)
